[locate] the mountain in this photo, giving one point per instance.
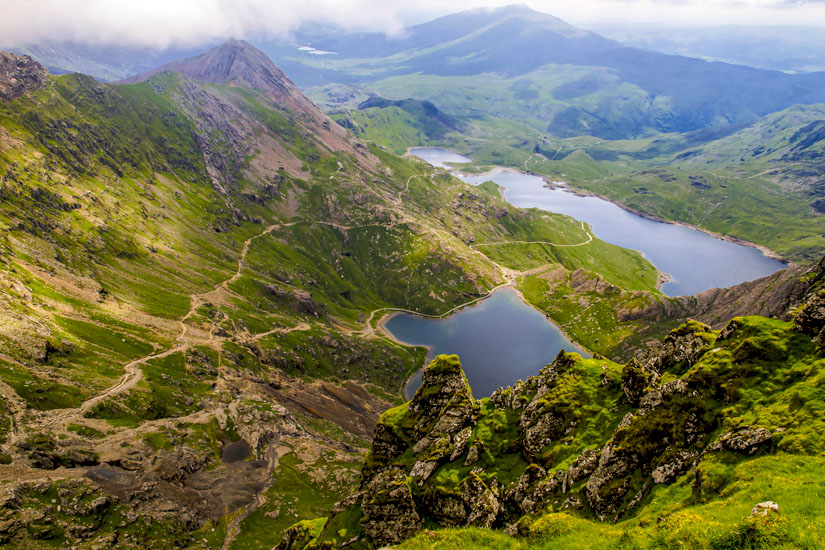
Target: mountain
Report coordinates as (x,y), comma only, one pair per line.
(684,444)
(105,62)
(190,276)
(570,81)
(238,63)
(789,49)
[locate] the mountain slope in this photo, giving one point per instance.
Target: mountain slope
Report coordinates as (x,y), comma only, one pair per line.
(187,272)
(675,447)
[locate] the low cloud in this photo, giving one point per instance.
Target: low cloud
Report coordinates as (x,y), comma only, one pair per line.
(164,23)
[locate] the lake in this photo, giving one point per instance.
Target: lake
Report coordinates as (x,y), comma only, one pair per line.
(499,340)
(437,156)
(694,260)
(502,339)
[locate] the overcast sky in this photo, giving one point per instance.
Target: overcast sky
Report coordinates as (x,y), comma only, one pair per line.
(159,23)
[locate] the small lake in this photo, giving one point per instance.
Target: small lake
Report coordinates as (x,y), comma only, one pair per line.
(694,260)
(437,156)
(499,340)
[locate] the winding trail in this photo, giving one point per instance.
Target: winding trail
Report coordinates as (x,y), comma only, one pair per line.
(133,373)
(584,228)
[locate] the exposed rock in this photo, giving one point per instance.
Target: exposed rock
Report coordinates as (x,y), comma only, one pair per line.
(541,425)
(674,466)
(635,379)
(298,299)
(296,537)
(460,442)
(20,74)
(389,511)
(446,508)
(680,348)
(811,318)
(480,501)
(765,509)
(584,465)
(746,440)
(472,455)
(423,469)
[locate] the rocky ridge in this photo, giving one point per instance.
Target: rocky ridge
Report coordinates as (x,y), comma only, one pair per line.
(20,74)
(450,460)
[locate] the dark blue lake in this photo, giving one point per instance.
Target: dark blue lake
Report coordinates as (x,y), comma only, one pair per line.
(499,340)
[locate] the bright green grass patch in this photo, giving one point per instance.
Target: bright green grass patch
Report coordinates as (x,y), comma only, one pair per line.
(120,343)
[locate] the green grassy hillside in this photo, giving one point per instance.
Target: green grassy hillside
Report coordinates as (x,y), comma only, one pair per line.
(186,274)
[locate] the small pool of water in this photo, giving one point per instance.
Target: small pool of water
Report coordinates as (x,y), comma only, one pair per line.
(437,156)
(499,340)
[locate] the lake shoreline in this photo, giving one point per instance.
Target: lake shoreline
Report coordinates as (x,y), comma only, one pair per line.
(665,277)
(380,326)
(767,252)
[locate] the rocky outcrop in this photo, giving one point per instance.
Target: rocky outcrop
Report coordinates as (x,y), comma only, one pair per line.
(747,440)
(20,74)
(299,300)
(390,514)
(811,318)
(541,422)
(680,349)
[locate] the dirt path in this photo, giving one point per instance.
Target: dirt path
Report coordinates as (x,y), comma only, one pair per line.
(133,373)
(584,228)
(296,328)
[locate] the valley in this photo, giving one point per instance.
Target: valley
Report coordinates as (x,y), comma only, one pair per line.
(489,280)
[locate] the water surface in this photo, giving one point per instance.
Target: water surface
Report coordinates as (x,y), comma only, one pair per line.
(694,260)
(499,340)
(438,157)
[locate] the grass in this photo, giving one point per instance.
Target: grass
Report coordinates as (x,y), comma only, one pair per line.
(763,373)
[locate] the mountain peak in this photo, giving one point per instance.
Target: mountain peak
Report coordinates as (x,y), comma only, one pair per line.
(20,74)
(234,61)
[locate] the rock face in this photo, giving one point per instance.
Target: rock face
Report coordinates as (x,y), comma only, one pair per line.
(583,434)
(389,511)
(20,74)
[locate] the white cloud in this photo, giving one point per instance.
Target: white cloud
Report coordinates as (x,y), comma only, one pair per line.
(161,23)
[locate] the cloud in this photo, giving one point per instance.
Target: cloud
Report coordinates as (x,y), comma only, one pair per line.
(163,23)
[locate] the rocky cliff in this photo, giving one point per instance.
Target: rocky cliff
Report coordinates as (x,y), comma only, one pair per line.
(586,437)
(20,74)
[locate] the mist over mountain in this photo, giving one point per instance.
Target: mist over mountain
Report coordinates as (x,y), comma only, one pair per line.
(789,49)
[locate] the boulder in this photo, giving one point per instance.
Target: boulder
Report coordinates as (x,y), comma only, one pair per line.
(746,440)
(480,501)
(764,509)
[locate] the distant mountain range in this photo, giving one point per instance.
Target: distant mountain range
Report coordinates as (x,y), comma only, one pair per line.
(570,81)
(790,49)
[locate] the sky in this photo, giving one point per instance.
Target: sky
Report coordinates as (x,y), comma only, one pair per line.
(163,23)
